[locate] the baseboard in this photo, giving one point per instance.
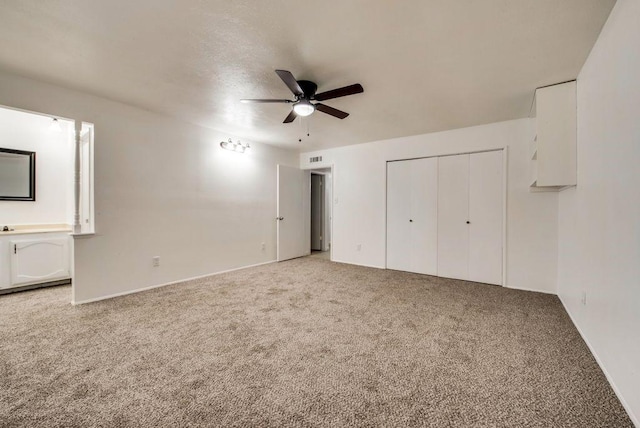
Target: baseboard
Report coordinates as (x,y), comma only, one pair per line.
(358,264)
(531,289)
(35,286)
(151,287)
(633,417)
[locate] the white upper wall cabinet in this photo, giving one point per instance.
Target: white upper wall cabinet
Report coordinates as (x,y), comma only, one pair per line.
(553,156)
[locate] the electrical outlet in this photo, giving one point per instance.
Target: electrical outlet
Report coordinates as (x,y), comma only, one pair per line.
(263,246)
(156,261)
(358,247)
(583,298)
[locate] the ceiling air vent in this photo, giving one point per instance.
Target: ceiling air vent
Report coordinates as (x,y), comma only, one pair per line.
(315,159)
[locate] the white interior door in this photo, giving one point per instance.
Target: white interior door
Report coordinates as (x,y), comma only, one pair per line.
(424,216)
(485,216)
(453,209)
(398,215)
(290,216)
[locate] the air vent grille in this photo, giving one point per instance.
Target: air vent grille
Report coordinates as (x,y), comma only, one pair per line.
(315,159)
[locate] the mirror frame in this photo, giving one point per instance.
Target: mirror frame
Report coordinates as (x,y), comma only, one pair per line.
(32,176)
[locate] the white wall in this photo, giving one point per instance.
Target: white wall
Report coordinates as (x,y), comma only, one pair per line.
(599,220)
(162,188)
(359,198)
(54,168)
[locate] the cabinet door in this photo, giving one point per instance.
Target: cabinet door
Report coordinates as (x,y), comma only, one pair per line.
(453,209)
(398,215)
(423,220)
(485,216)
(36,261)
(556,130)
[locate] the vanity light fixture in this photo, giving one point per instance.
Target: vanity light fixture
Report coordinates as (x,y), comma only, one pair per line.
(234,147)
(55,125)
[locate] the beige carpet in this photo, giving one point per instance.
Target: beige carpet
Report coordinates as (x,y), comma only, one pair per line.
(303,343)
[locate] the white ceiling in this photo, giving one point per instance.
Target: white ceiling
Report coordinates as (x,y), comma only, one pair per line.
(426,65)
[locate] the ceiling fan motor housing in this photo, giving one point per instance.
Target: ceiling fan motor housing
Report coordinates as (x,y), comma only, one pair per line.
(309,88)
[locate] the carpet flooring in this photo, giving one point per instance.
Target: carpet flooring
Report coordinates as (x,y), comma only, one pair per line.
(304,343)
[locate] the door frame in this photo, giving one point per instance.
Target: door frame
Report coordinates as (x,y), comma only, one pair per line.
(307,205)
(505,175)
(323,209)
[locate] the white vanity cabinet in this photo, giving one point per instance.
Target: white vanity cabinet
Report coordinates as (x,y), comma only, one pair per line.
(27,259)
(37,260)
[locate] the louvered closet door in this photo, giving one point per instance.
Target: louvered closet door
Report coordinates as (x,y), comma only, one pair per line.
(424,216)
(453,209)
(412,188)
(485,216)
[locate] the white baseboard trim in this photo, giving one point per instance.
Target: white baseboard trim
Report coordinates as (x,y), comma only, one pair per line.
(358,264)
(151,287)
(633,417)
(531,289)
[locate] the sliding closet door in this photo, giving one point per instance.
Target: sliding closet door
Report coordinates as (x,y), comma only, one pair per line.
(424,216)
(412,210)
(485,216)
(398,214)
(453,208)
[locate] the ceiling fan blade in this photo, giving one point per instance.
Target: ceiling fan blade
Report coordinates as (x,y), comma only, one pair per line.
(264,101)
(332,111)
(292,116)
(291,82)
(340,92)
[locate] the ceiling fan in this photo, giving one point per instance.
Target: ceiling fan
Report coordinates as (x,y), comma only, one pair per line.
(305,92)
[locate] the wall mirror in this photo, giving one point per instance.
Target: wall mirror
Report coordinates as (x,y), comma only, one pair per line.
(17,175)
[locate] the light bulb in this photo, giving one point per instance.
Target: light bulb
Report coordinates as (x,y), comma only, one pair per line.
(303,108)
(229,145)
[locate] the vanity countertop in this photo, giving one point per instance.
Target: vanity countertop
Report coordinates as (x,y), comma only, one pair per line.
(35,228)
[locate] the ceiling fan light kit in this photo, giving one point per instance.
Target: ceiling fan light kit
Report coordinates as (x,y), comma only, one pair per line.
(304,108)
(305,92)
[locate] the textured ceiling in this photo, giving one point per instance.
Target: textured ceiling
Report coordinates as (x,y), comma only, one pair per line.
(426,65)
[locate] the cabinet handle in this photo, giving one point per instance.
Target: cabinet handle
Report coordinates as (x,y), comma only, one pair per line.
(468,222)
(410,221)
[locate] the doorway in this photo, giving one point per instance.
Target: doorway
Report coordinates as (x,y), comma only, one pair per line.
(320,213)
(37,230)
